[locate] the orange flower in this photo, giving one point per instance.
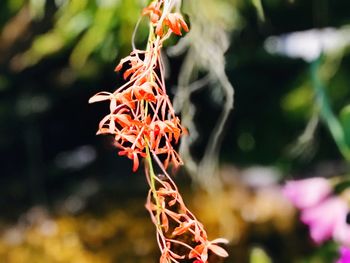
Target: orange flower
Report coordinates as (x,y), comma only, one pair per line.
(168,255)
(173,21)
(153,11)
(176,22)
(200,252)
(133,155)
(190,225)
(141,114)
(183,224)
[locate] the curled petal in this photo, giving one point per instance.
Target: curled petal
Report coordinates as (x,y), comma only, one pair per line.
(153,12)
(133,155)
(103,131)
(165,222)
(220,240)
(136,162)
(159,29)
(218,250)
(105,122)
(173,24)
(113,105)
(121,63)
(124,119)
(182,23)
(176,22)
(197,251)
(101,96)
(181,229)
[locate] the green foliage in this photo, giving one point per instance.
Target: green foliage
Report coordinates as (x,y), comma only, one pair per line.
(259,9)
(324,254)
(298,102)
(326,111)
(342,186)
(86,28)
(258,255)
(345,122)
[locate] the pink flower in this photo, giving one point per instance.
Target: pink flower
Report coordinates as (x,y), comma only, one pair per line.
(308,192)
(344,255)
(342,232)
(324,218)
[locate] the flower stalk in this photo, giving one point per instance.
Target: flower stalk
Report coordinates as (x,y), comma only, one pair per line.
(144,125)
(151,179)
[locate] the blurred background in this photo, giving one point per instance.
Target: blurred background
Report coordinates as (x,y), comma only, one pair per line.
(65,194)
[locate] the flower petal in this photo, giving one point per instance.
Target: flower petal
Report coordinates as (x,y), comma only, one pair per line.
(101,96)
(220,240)
(218,250)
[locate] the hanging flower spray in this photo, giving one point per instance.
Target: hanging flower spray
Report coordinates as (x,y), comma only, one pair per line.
(144,125)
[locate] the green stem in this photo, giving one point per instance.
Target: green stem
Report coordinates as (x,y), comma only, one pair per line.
(152,177)
(151,173)
(149,164)
(326,112)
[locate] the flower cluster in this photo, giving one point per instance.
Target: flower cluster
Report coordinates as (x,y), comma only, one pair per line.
(165,19)
(141,114)
(144,124)
(177,228)
(326,214)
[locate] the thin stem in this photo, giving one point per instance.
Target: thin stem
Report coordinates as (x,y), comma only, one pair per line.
(152,181)
(326,112)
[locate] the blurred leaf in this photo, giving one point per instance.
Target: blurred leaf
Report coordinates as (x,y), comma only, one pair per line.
(88,27)
(326,111)
(68,27)
(342,186)
(258,255)
(71,8)
(76,24)
(15,5)
(42,46)
(326,253)
(37,8)
(4,83)
(345,122)
(298,101)
(259,9)
(93,37)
